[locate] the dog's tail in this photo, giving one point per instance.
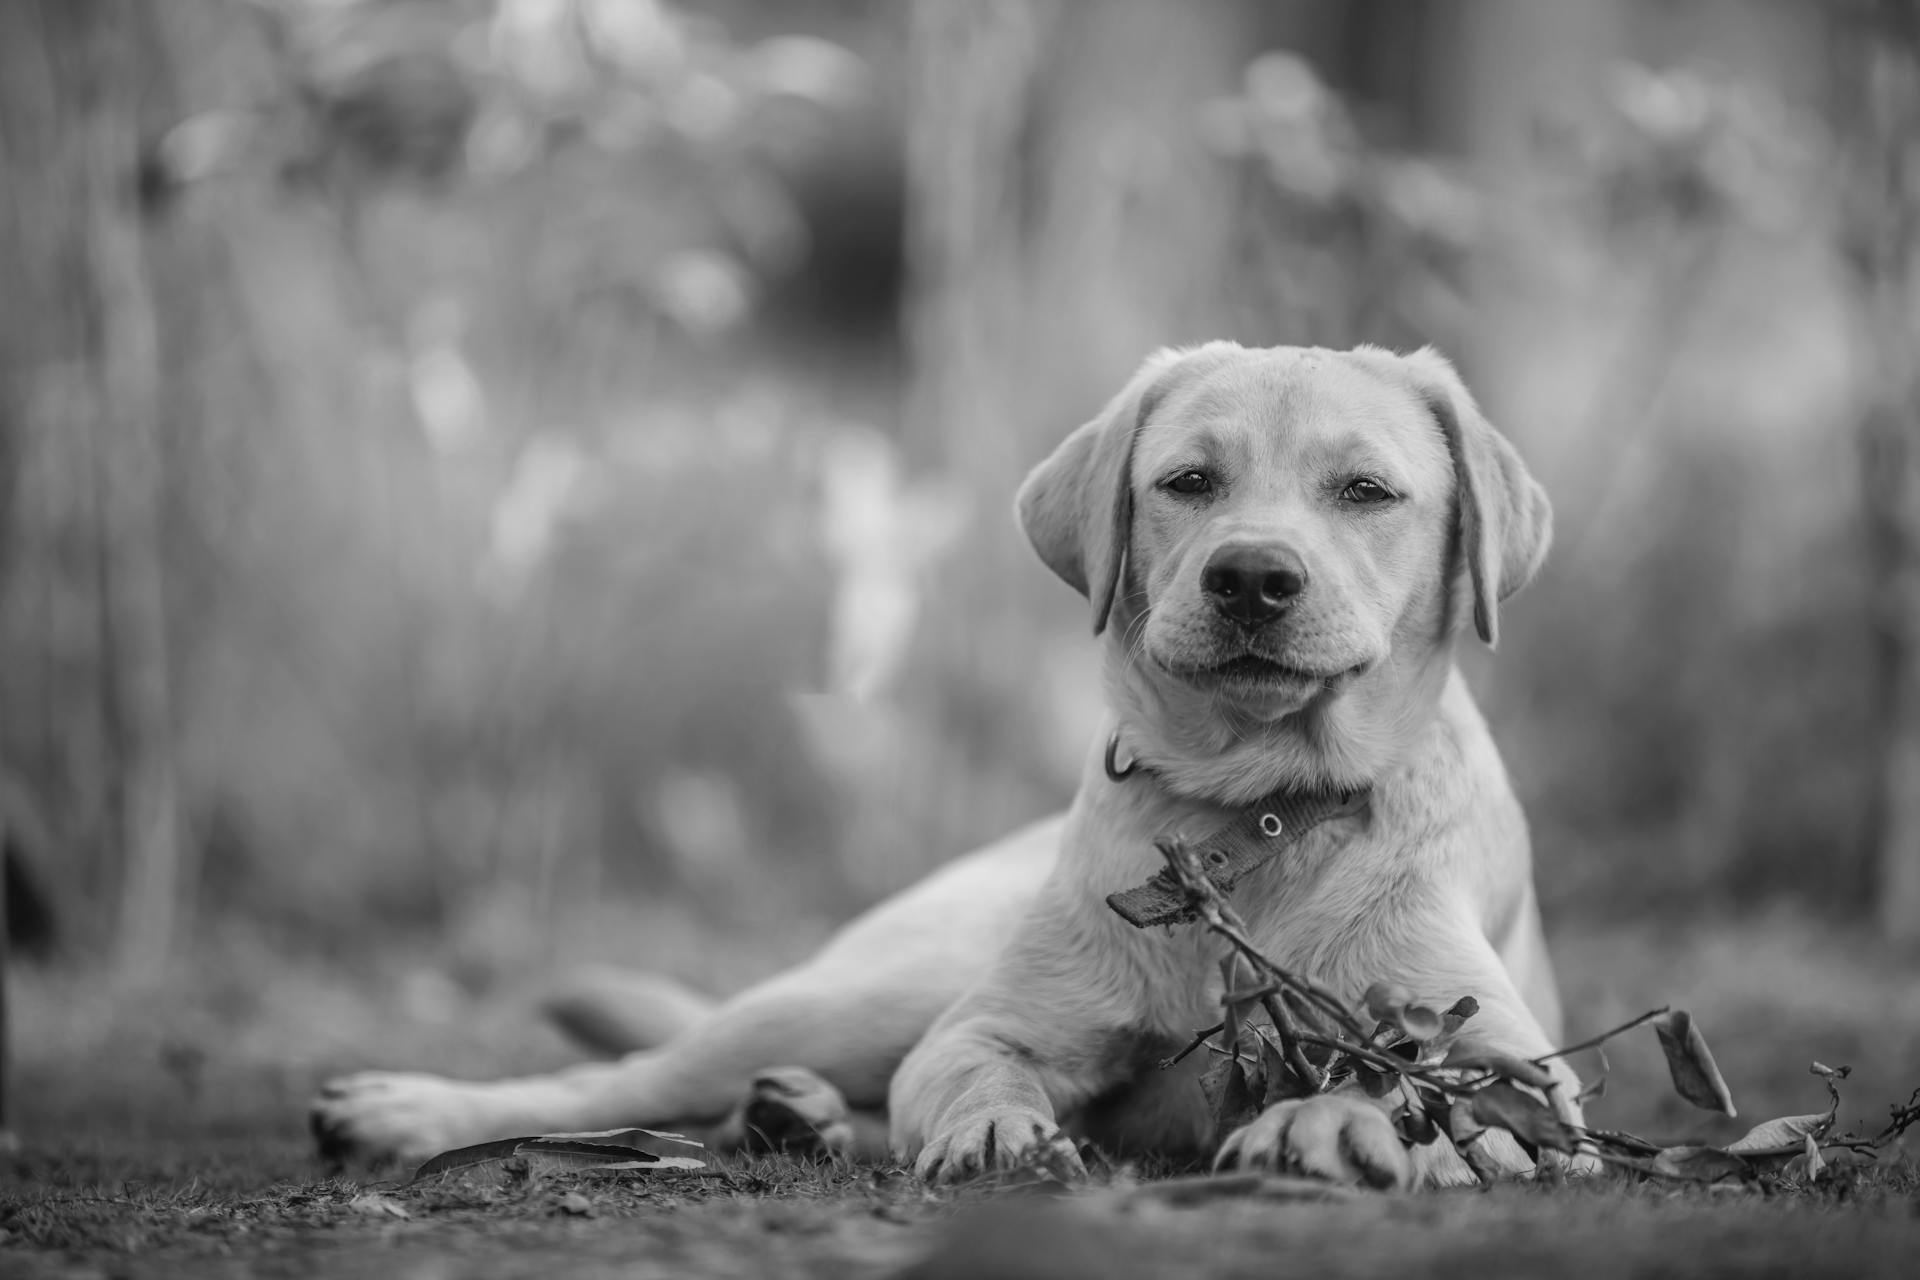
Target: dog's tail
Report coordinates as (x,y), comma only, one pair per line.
(614,1012)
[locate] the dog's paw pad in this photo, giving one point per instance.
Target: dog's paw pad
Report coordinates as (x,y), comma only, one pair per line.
(792,1109)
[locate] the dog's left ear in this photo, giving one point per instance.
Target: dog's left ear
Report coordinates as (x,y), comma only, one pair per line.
(1505,522)
(1076,507)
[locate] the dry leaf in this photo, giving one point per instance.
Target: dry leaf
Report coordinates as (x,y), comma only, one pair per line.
(1385,1000)
(1421,1022)
(1277,1083)
(1393,1004)
(1523,1115)
(1695,1075)
(1699,1164)
(1787,1132)
(1411,1121)
(1808,1165)
(612,1150)
(657,1141)
(1232,1097)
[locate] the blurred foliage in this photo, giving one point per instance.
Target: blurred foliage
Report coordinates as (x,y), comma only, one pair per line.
(1351,240)
(529,474)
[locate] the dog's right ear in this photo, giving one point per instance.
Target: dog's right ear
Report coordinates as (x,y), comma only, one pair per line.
(1077,506)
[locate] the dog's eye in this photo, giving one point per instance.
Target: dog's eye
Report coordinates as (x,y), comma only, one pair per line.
(1191,482)
(1366,491)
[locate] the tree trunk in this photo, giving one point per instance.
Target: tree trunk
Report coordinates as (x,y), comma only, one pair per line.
(81,352)
(1878,71)
(133,572)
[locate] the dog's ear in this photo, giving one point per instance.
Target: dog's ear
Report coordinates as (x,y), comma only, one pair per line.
(1077,506)
(1505,522)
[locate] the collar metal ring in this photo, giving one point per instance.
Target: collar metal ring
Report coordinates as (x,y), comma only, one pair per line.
(1114,772)
(1270,825)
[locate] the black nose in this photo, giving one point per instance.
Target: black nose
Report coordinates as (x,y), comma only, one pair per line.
(1252,582)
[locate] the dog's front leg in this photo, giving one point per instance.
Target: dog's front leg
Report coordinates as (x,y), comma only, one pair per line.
(991,1083)
(971,1100)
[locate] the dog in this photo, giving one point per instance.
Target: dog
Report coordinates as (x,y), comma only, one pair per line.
(1280,549)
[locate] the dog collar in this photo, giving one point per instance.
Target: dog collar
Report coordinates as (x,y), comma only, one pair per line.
(1251,837)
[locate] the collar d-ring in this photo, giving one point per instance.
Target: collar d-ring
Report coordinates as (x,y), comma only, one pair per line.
(1114,772)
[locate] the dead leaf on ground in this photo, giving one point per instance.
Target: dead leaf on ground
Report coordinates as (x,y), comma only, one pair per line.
(612,1150)
(1787,1131)
(1699,1164)
(1808,1165)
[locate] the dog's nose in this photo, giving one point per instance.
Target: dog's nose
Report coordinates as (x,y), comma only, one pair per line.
(1252,582)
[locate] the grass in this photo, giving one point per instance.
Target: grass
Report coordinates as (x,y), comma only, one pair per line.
(224,1209)
(162,1136)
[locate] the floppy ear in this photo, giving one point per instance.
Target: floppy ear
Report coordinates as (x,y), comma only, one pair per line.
(1505,522)
(1077,506)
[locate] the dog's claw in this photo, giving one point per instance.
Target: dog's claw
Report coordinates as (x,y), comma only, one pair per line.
(996,1142)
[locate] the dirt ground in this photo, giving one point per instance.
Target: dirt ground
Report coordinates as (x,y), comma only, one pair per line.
(162,1135)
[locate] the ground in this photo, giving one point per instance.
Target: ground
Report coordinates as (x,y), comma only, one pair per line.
(162,1135)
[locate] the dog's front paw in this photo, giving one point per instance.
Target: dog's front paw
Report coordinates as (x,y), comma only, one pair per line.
(995,1140)
(404,1114)
(1342,1139)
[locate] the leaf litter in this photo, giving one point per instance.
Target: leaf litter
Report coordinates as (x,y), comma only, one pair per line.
(1311,1041)
(607,1151)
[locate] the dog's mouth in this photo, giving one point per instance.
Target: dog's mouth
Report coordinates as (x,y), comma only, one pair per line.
(1253,672)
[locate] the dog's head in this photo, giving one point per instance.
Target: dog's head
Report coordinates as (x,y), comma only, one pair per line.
(1281,544)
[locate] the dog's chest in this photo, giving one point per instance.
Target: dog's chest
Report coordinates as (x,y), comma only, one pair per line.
(1321,908)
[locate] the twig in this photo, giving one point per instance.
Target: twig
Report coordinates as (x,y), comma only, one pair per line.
(1373,1057)
(1294,1004)
(1199,1038)
(1220,917)
(1602,1038)
(1904,1118)
(1290,1049)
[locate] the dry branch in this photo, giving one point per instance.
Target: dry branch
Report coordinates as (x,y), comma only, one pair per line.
(1465,1097)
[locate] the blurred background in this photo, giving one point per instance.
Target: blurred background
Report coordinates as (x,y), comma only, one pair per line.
(491,485)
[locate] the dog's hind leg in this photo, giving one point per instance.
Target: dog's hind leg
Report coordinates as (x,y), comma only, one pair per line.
(848,1017)
(851,1035)
(794,1111)
(613,1012)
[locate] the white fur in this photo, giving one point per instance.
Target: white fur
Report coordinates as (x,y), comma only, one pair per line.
(1026,1003)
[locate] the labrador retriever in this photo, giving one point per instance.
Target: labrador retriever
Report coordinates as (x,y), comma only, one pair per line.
(1279,548)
